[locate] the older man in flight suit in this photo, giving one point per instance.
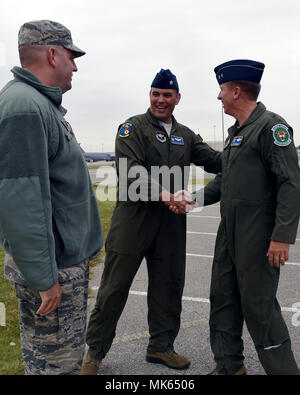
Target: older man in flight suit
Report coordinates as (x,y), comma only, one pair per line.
(147,228)
(259,189)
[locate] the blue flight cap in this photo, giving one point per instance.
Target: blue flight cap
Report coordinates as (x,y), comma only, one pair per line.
(240,69)
(165,80)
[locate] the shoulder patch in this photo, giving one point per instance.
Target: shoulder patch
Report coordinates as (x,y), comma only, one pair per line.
(125,130)
(281,135)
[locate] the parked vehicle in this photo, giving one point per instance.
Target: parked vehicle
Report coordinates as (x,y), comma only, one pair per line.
(98,156)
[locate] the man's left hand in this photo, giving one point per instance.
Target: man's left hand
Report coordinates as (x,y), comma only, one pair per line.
(50,300)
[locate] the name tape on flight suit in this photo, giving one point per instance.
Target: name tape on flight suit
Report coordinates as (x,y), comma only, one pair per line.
(237,141)
(177,140)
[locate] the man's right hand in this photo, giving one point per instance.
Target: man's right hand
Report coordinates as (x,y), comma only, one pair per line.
(180,203)
(50,300)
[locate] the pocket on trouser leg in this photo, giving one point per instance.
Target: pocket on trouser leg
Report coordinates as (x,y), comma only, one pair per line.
(54,344)
(29,302)
(71,315)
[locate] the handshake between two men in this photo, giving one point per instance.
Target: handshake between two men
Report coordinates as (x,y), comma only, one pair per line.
(180,202)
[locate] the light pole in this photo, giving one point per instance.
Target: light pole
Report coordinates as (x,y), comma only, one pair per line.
(223,139)
(215,144)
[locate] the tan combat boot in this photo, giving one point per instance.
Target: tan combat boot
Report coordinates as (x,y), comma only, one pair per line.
(169,358)
(240,372)
(90,367)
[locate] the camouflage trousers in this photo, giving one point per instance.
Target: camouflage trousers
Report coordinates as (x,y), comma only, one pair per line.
(55,344)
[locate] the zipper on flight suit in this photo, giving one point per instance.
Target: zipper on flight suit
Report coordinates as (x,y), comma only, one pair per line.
(169,143)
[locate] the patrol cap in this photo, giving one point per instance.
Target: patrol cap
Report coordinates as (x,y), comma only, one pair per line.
(45,32)
(240,69)
(165,79)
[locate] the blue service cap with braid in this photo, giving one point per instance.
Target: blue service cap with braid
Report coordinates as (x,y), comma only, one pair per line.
(240,69)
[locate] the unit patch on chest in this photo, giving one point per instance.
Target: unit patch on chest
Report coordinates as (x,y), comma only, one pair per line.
(281,135)
(161,137)
(237,141)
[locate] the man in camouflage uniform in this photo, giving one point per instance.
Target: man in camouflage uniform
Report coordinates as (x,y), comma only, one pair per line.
(49,221)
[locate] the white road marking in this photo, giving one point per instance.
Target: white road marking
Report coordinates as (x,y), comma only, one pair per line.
(204,300)
(201,233)
(189,298)
(200,256)
(198,300)
(209,234)
(211,257)
(203,216)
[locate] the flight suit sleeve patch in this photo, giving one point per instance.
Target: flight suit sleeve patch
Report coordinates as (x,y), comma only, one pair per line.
(125,130)
(281,135)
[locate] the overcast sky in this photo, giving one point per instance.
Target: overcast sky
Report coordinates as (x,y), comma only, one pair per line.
(129,41)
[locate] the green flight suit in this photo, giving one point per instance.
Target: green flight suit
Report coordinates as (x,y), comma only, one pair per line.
(145,228)
(259,189)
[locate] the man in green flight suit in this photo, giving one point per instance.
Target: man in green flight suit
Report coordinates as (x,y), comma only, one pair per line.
(143,226)
(259,189)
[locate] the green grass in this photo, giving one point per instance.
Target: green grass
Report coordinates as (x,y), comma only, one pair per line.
(11,362)
(105,209)
(10,356)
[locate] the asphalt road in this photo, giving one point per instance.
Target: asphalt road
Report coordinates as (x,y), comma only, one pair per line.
(127,355)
